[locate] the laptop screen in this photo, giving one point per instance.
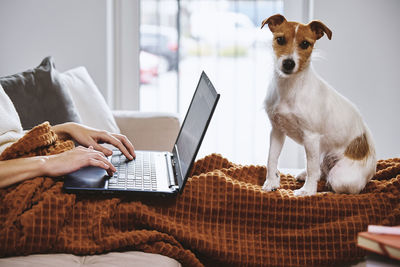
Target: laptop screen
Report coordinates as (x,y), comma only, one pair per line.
(195,124)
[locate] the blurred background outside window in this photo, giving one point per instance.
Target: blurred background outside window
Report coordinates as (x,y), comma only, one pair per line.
(179,39)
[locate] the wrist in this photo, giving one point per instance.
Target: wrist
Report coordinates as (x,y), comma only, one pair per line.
(44,165)
(62,130)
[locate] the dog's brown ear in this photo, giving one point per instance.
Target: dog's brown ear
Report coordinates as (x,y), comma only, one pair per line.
(319,28)
(273,21)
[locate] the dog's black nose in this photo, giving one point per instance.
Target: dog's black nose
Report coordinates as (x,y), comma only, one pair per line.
(288,65)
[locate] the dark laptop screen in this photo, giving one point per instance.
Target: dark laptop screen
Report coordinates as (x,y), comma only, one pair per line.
(196,122)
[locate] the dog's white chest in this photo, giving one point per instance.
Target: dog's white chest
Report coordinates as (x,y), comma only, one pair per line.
(286,121)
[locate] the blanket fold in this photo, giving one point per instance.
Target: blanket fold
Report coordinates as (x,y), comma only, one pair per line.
(222,218)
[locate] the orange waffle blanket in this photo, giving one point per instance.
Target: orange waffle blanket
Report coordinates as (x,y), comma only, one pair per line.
(223,218)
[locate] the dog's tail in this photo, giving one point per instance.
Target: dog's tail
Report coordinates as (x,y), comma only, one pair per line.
(355,168)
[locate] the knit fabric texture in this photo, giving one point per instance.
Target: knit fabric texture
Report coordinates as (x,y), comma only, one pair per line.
(222,218)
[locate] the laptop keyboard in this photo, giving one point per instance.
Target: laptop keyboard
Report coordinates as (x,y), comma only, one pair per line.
(138,174)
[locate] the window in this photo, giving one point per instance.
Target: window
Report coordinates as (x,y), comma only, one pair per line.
(179,39)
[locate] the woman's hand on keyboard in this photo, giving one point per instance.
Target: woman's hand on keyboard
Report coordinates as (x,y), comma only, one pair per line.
(77,158)
(87,136)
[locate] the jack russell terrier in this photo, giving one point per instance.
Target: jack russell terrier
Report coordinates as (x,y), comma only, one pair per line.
(299,104)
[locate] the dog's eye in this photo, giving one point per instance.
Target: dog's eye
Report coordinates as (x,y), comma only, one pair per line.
(281,40)
(304,44)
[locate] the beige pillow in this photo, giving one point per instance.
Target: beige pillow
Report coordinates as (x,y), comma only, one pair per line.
(90,103)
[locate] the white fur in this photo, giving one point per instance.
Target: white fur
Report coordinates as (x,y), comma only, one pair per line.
(305,108)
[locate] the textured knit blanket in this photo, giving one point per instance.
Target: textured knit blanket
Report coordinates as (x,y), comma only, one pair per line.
(223,218)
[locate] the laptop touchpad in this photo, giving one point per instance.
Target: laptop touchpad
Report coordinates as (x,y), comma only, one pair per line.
(87,177)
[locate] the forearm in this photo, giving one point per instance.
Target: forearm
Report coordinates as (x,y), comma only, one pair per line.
(17,170)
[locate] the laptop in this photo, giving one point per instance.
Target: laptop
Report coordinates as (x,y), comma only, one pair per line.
(154,172)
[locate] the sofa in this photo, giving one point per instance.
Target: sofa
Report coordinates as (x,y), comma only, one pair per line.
(73,96)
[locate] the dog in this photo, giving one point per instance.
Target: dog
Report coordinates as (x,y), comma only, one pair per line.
(299,104)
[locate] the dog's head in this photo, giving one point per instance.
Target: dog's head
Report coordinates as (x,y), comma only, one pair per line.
(293,42)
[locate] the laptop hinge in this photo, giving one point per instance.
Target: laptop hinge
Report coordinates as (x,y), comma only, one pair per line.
(173,183)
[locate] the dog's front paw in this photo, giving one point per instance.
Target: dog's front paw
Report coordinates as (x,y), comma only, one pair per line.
(271,184)
(301,176)
(304,192)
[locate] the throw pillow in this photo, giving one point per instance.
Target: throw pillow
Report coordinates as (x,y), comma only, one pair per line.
(10,125)
(39,95)
(90,103)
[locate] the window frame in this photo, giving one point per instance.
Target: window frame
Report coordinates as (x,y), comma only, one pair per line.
(123,19)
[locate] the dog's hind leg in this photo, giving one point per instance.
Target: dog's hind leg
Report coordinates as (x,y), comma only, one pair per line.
(350,176)
(356,167)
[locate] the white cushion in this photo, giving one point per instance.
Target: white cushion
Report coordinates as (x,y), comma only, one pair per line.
(10,125)
(92,107)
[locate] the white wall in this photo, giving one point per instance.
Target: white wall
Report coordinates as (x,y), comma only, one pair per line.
(101,35)
(74,32)
(362,62)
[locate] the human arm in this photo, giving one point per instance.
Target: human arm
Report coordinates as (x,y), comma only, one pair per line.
(17,170)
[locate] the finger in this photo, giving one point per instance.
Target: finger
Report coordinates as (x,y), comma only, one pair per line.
(94,154)
(101,164)
(125,141)
(102,149)
(98,163)
(117,143)
(101,157)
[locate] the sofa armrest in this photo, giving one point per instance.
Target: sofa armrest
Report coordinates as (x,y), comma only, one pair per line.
(148,130)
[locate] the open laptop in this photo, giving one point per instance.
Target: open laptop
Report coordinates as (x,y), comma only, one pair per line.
(153,171)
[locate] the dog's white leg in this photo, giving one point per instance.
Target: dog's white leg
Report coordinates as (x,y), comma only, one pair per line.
(277,138)
(311,145)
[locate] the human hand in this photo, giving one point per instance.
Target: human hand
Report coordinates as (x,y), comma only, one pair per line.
(87,136)
(73,160)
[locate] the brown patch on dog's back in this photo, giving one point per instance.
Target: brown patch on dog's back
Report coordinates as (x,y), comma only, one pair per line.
(358,148)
